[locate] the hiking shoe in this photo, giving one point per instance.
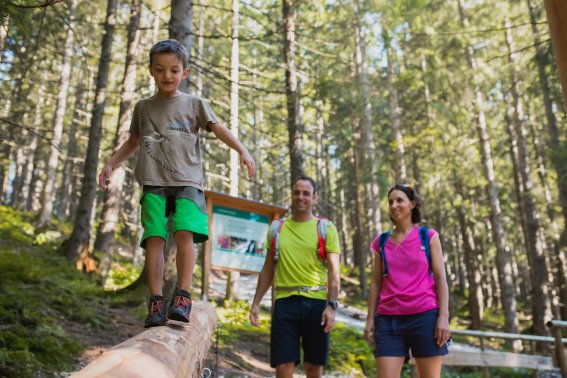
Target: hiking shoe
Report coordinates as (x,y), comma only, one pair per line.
(157,313)
(180,307)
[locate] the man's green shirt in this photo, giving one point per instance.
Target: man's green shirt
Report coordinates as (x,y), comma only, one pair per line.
(298,264)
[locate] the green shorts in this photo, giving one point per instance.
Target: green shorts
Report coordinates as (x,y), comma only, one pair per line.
(187,208)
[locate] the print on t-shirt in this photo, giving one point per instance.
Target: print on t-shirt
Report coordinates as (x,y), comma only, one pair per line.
(156,145)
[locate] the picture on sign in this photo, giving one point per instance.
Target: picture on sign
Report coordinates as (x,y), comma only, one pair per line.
(238,240)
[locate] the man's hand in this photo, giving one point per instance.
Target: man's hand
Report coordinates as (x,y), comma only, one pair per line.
(247,160)
(104,177)
(328,318)
(369,331)
(255,315)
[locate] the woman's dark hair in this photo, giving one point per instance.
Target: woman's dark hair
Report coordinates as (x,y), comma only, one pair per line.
(417,211)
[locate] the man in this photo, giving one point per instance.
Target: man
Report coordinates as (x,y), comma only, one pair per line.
(306,287)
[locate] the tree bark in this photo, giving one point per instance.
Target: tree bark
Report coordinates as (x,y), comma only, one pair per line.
(233,277)
(114,194)
(181,29)
(541,306)
(295,143)
(60,108)
(558,164)
(373,216)
(394,108)
(475,297)
(77,247)
(507,290)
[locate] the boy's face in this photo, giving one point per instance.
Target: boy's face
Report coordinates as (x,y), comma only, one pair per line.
(168,72)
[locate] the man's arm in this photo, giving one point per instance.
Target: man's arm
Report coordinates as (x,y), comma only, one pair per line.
(265,280)
(232,141)
(123,153)
(333,287)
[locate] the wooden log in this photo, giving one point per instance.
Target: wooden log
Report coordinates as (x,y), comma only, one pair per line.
(169,351)
(557,19)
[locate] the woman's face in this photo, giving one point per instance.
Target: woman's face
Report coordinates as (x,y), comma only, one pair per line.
(400,206)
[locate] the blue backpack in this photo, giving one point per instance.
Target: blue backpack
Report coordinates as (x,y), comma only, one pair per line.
(423,236)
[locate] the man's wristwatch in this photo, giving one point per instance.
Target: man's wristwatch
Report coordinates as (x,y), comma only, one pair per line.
(334,304)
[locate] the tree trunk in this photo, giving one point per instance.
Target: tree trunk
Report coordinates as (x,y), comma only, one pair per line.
(77,248)
(200,49)
(358,246)
(369,160)
(180,29)
(507,290)
(72,148)
(233,277)
(394,108)
(114,194)
(295,143)
(541,305)
(3,32)
(475,297)
(32,158)
(60,108)
(559,164)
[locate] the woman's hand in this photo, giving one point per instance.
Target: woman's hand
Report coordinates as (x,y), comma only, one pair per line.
(442,330)
(369,331)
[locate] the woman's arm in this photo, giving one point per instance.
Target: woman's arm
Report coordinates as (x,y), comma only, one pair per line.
(442,330)
(373,297)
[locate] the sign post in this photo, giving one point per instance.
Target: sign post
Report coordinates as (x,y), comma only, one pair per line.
(237,235)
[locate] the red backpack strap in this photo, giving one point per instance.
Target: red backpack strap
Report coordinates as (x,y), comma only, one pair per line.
(275,230)
(322,227)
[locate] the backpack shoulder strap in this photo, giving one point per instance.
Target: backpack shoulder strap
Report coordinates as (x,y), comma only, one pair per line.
(322,228)
(382,239)
(275,230)
(424,237)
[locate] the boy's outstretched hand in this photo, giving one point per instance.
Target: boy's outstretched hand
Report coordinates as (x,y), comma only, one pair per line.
(104,177)
(247,160)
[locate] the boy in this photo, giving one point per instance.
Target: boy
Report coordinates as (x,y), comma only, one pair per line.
(166,129)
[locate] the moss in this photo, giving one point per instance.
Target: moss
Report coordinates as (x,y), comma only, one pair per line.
(38,288)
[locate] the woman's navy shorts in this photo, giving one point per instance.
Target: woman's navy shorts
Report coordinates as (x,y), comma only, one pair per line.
(297,320)
(395,335)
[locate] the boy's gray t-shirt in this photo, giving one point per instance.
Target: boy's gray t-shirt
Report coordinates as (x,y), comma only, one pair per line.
(170,152)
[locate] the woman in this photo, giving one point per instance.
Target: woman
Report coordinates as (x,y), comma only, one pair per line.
(408,302)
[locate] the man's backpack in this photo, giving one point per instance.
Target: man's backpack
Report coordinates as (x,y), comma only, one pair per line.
(423,236)
(276,228)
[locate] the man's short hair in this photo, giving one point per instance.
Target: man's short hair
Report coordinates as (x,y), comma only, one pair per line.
(170,46)
(306,178)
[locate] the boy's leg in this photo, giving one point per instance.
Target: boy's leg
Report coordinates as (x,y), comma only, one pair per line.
(155,264)
(185,259)
(180,309)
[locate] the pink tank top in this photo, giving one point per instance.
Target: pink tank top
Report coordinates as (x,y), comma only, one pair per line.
(409,288)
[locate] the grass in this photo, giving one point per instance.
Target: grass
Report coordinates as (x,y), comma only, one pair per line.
(39,290)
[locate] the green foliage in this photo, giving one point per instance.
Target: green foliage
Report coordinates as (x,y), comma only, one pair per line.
(38,290)
(350,353)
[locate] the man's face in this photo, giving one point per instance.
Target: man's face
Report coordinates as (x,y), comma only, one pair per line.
(302,197)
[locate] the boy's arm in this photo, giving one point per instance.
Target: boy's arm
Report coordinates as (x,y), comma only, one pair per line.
(123,153)
(230,140)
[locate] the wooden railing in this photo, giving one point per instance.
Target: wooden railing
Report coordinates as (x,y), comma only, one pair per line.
(556,326)
(490,358)
(165,352)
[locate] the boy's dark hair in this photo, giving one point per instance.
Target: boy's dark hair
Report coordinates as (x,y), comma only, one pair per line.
(170,46)
(305,178)
(417,211)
